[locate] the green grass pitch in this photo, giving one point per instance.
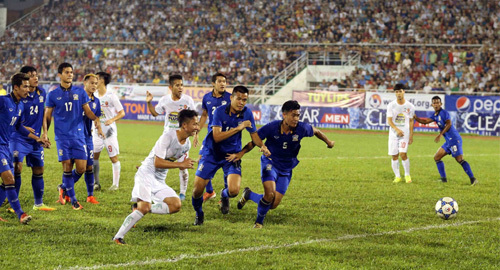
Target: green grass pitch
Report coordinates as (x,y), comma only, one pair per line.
(341,211)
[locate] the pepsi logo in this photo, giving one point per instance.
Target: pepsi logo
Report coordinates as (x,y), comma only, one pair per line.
(463,104)
(375,101)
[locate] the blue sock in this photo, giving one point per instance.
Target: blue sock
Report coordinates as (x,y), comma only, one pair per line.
(2,194)
(17,179)
(89,181)
(255,197)
(76,176)
(209,188)
(10,190)
(225,181)
(440,165)
(262,210)
(69,184)
(467,169)
(197,205)
(38,185)
(225,193)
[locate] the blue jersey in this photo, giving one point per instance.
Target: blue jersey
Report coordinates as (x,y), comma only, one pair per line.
(284,148)
(226,120)
(441,117)
(68,111)
(11,112)
(32,116)
(95,107)
(210,103)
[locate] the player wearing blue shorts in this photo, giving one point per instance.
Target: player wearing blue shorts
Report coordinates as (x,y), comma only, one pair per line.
(11,112)
(283,140)
(22,146)
(211,101)
(453,143)
(221,142)
(68,103)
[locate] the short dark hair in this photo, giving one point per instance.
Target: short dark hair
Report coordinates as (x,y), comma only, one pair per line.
(18,78)
(88,76)
(290,105)
(173,78)
(399,86)
(436,97)
(27,69)
(218,74)
(240,89)
(186,115)
(106,76)
(63,66)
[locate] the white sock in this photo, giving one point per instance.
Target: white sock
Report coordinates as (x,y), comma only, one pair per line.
(160,208)
(116,173)
(395,167)
(406,166)
(183,181)
(128,223)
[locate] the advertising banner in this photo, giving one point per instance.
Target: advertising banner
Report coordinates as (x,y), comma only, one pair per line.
(329,99)
(475,114)
(328,73)
(422,102)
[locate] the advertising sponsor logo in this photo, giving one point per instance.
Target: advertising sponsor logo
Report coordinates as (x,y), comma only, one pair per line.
(463,104)
(375,101)
(333,118)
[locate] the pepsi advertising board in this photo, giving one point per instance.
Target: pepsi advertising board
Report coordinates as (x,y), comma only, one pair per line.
(475,114)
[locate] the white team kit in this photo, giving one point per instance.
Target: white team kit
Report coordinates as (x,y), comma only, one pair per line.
(149,183)
(110,106)
(401,116)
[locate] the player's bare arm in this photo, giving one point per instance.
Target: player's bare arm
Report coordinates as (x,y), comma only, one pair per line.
(398,131)
(118,116)
(161,163)
(258,142)
(97,125)
(422,120)
(151,108)
(88,112)
(203,119)
(412,124)
(220,135)
(445,129)
(46,122)
(320,135)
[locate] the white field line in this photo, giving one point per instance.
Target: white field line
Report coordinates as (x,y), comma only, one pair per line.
(281,246)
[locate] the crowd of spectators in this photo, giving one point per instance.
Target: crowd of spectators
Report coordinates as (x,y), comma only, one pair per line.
(144,41)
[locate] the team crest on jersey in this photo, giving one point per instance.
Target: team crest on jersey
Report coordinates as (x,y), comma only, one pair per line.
(11,110)
(75,97)
(209,102)
(269,167)
(276,137)
(223,102)
(25,100)
(200,168)
(4,162)
(295,138)
(93,105)
(40,98)
(58,98)
(60,152)
(15,153)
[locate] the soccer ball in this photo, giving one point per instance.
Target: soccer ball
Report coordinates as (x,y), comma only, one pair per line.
(446,208)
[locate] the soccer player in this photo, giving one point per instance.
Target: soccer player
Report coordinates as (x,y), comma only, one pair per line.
(67,103)
(149,181)
(400,114)
(221,142)
(112,111)
(22,146)
(171,105)
(283,139)
(11,112)
(453,140)
(211,101)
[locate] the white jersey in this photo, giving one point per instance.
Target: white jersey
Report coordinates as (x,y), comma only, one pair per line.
(167,147)
(401,116)
(110,106)
(172,108)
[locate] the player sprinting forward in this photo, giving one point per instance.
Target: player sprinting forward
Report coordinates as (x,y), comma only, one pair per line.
(224,140)
(67,104)
(282,138)
(11,112)
(400,114)
(171,105)
(149,182)
(22,146)
(453,140)
(211,101)
(112,111)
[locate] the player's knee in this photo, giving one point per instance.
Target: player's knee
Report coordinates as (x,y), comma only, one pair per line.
(437,159)
(233,192)
(144,208)
(80,170)
(38,170)
(403,156)
(174,206)
(269,196)
(18,167)
(460,160)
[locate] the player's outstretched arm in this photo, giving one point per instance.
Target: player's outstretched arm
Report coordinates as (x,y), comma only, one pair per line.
(422,120)
(151,108)
(161,163)
(258,142)
(235,157)
(88,112)
(320,135)
(220,135)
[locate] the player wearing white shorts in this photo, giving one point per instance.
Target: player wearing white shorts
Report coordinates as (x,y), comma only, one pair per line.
(171,105)
(112,111)
(149,183)
(400,114)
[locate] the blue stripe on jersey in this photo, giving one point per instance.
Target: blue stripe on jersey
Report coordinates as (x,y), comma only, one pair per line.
(440,119)
(67,112)
(210,103)
(284,148)
(32,116)
(95,107)
(10,117)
